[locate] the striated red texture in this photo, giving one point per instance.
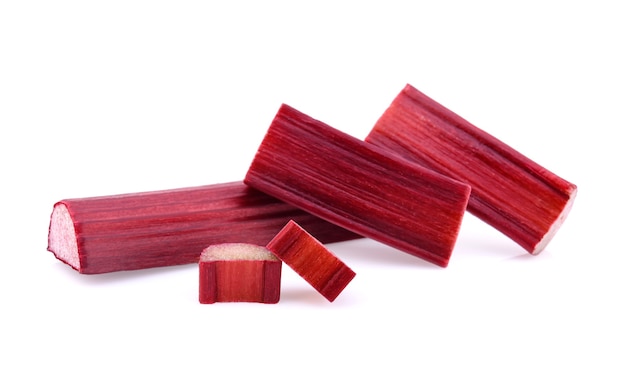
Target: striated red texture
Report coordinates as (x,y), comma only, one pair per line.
(170,227)
(311,260)
(238,272)
(514,194)
(358,186)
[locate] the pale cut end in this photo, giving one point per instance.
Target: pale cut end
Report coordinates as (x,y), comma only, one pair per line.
(236,251)
(62,236)
(556,225)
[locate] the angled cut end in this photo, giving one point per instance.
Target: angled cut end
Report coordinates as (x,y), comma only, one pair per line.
(62,236)
(541,245)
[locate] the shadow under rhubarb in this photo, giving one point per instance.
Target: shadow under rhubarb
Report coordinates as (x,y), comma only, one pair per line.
(367,251)
(122,276)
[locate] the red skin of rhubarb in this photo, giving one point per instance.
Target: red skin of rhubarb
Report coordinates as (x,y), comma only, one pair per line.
(512,193)
(169,227)
(358,186)
(311,260)
(239,278)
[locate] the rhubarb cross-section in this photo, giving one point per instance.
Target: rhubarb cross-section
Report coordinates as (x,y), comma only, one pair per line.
(170,227)
(311,260)
(359,186)
(238,272)
(514,194)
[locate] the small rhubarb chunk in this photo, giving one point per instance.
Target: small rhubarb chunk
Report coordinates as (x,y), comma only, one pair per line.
(311,260)
(170,227)
(358,186)
(239,272)
(512,193)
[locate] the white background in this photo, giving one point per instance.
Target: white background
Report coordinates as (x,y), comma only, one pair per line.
(111,97)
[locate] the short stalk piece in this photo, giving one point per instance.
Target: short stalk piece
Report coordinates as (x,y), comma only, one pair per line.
(311,260)
(237,272)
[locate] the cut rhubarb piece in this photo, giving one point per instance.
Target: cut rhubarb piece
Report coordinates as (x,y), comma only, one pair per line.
(512,193)
(358,186)
(170,227)
(239,272)
(311,260)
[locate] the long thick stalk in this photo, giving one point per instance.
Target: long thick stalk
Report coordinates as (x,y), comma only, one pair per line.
(358,186)
(170,227)
(512,193)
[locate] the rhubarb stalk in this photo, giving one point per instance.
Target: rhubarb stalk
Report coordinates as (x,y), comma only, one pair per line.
(237,272)
(170,227)
(311,260)
(514,194)
(358,186)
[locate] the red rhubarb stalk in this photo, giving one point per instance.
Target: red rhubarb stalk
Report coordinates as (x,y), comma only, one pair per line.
(170,227)
(358,186)
(514,194)
(311,260)
(237,272)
